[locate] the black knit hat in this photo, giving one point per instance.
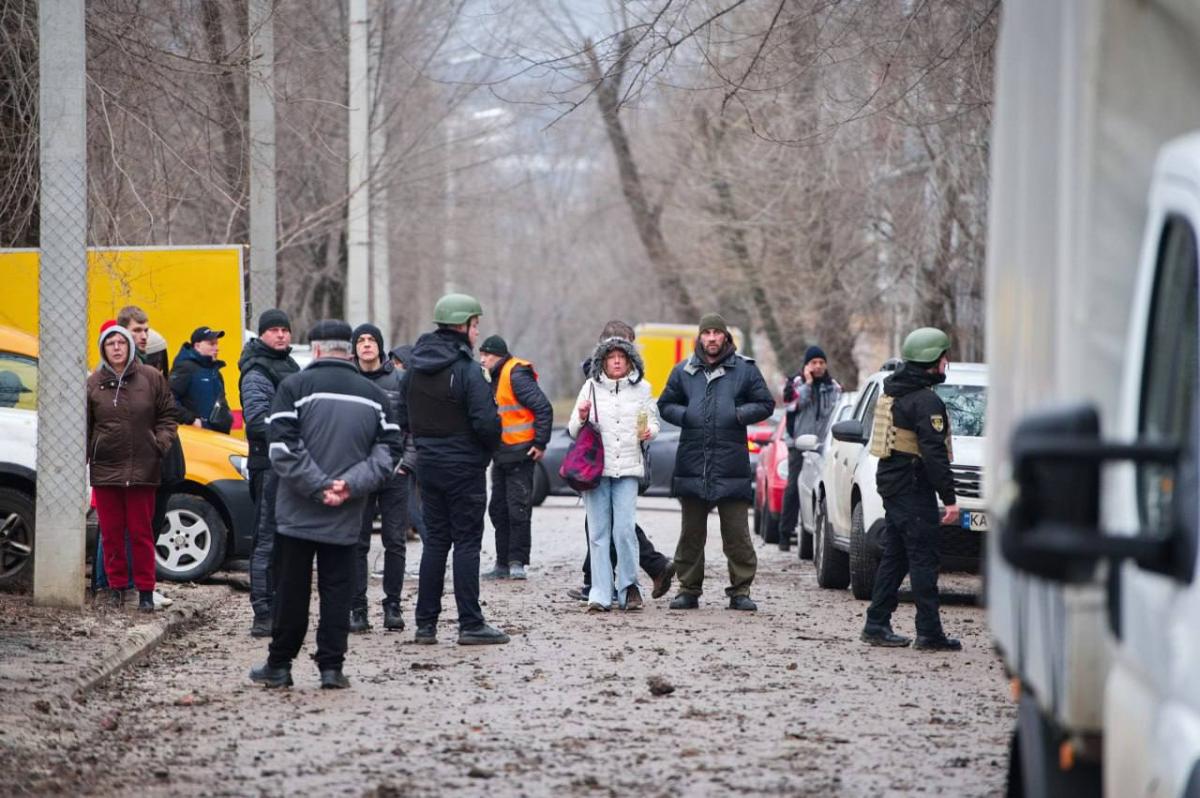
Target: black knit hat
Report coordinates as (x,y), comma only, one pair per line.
(812,353)
(273,318)
(494,345)
(371,330)
(329,330)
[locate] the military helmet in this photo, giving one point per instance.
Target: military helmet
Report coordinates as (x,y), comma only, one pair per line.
(456,309)
(925,345)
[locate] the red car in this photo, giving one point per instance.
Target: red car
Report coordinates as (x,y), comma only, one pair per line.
(770,480)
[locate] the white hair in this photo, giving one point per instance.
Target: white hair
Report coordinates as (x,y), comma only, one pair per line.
(335,348)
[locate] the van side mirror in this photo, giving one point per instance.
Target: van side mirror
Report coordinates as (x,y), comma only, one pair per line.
(807,443)
(1052,528)
(849,431)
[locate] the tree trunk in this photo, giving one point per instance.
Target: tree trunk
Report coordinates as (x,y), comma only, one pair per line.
(232,116)
(646,218)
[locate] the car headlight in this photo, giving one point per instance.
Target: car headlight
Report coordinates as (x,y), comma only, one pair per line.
(781,468)
(241,465)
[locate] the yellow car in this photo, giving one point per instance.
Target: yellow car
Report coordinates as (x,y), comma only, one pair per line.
(209,517)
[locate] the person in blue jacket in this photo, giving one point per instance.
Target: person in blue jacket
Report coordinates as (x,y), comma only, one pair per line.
(197,384)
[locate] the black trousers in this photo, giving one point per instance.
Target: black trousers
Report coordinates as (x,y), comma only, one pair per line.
(392,505)
(454,499)
(789,515)
(293,566)
(264,484)
(651,560)
(510,510)
(910,546)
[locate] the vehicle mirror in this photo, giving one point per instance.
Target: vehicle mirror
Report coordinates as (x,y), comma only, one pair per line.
(1052,527)
(808,443)
(849,431)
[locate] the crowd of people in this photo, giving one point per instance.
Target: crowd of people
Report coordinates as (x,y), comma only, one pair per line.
(364,432)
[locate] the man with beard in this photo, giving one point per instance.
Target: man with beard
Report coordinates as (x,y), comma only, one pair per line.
(713,396)
(811,397)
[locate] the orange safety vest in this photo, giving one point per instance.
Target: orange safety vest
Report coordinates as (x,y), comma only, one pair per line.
(516,420)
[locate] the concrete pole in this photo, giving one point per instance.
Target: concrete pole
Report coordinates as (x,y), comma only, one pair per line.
(381,276)
(263,274)
(358,216)
(58,572)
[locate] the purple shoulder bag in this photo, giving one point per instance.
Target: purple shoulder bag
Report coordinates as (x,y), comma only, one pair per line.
(583,466)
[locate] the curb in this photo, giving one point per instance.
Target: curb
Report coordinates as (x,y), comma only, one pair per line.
(139,641)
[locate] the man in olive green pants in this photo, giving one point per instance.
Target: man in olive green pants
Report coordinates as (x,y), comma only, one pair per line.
(735,540)
(712,396)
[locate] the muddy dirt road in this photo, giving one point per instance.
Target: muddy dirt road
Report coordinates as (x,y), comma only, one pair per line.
(785,701)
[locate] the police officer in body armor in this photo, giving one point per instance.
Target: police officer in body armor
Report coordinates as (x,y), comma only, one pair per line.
(911,436)
(449,409)
(264,363)
(391,500)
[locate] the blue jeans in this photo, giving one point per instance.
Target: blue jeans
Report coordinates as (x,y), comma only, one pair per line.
(611,507)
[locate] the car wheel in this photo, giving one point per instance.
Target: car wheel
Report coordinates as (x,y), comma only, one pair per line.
(833,566)
(863,561)
(804,541)
(16,538)
(541,485)
(192,544)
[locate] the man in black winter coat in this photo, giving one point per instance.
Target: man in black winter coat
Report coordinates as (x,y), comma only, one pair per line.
(265,362)
(911,437)
(526,418)
(390,501)
(332,444)
(449,409)
(713,396)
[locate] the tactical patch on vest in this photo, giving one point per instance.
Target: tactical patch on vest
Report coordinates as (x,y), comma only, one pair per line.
(939,424)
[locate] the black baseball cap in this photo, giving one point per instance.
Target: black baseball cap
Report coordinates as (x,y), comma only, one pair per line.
(206,334)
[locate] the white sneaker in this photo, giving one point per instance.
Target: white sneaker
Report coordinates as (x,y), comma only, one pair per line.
(162,601)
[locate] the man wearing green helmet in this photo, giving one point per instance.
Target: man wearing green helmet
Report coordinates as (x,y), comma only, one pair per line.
(911,438)
(449,409)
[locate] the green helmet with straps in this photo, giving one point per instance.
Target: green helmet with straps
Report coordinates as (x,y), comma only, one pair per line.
(925,345)
(456,309)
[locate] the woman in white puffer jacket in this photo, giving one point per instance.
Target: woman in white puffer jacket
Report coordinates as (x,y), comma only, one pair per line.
(618,403)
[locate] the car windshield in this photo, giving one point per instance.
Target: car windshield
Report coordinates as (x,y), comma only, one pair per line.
(18,381)
(967,405)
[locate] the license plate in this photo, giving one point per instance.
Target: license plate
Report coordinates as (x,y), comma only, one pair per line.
(974,521)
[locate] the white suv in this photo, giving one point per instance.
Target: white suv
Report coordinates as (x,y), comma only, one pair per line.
(847,548)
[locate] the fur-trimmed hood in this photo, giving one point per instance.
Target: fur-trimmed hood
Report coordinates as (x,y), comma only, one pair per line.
(638,368)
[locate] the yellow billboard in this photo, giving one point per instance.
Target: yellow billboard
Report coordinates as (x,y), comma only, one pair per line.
(179,288)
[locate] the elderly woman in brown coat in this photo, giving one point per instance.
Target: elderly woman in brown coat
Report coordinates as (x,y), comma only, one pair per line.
(131,423)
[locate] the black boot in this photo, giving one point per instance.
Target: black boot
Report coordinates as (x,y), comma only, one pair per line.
(145,601)
(334,679)
(883,636)
(685,601)
(359,622)
(270,676)
(393,619)
(939,643)
(482,635)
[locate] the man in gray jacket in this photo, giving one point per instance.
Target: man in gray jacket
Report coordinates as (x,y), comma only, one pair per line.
(333,441)
(810,397)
